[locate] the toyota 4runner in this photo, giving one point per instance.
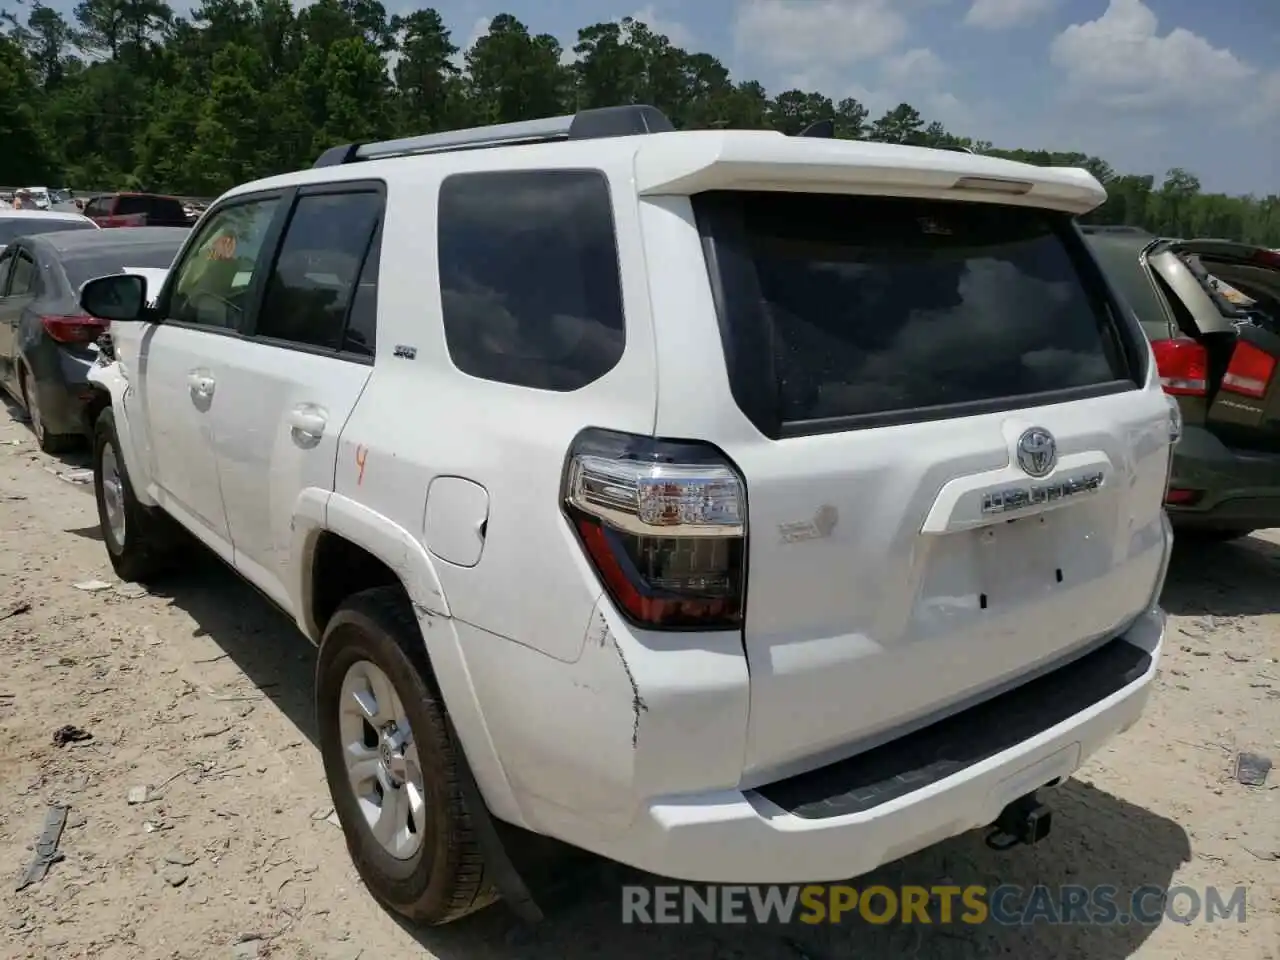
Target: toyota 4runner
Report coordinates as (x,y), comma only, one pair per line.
(741,507)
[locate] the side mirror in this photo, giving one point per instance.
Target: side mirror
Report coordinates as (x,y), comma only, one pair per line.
(119,296)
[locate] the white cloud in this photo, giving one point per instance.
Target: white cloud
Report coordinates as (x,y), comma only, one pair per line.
(917,69)
(1003,14)
(917,75)
(848,48)
(1120,60)
(1265,104)
(830,33)
(478,30)
(676,32)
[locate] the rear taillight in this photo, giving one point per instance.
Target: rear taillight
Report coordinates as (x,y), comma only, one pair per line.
(664,525)
(1249,372)
(1183,366)
(1175,420)
(73,329)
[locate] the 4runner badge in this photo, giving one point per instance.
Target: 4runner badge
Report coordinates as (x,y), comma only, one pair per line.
(1037,494)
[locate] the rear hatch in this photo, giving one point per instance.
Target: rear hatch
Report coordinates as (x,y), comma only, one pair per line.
(957,477)
(1225,298)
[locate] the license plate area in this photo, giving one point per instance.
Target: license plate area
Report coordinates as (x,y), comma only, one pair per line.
(1016,561)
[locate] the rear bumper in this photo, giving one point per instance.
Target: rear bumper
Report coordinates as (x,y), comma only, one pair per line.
(776,835)
(1238,489)
(63,381)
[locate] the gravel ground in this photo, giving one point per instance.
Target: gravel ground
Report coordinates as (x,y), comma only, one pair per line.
(198,702)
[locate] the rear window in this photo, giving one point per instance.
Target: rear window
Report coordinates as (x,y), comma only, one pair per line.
(81,267)
(892,307)
(14,227)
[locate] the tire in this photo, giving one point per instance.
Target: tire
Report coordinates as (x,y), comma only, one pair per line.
(443,877)
(54,443)
(140,550)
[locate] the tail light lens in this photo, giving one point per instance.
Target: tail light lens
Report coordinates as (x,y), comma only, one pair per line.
(1183,366)
(1249,372)
(1175,421)
(74,329)
(664,525)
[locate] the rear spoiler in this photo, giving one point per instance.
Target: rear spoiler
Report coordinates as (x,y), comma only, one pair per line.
(767,160)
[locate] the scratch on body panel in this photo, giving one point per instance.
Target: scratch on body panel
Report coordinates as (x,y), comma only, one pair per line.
(599,633)
(638,706)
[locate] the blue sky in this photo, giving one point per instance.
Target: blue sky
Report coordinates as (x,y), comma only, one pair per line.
(1145,84)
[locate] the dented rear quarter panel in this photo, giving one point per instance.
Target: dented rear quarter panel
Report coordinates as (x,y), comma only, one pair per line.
(638,715)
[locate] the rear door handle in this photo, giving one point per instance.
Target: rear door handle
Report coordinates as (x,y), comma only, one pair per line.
(201,383)
(307,421)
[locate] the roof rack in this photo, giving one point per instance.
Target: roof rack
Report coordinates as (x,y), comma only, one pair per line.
(591,124)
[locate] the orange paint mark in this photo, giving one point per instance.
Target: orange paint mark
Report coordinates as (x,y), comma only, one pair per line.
(361,454)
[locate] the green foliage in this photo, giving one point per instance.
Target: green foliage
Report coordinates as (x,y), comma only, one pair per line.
(130,95)
(26,156)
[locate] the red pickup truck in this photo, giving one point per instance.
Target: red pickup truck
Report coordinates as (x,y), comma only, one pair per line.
(136,210)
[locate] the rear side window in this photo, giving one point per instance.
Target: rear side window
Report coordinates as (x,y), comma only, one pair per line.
(529,277)
(1122,262)
(156,208)
(125,206)
(360,336)
(167,208)
(25,279)
(898,309)
(317,272)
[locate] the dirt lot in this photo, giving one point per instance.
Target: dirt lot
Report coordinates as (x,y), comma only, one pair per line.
(198,702)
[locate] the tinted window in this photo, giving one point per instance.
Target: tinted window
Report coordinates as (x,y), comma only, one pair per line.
(159,208)
(24,278)
(529,277)
(317,270)
(214,280)
(360,336)
(84,266)
(882,305)
(97,207)
(11,228)
(1121,261)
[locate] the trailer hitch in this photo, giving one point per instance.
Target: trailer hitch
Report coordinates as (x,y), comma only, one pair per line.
(1025,820)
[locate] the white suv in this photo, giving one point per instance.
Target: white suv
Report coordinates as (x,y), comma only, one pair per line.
(742,507)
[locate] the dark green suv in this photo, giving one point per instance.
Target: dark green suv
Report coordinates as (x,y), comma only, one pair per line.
(1211,309)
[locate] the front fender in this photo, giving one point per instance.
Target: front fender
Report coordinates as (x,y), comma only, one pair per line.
(111,378)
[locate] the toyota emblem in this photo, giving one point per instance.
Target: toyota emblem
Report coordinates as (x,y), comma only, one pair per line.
(1037,452)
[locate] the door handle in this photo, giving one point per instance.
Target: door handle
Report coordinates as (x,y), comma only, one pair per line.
(308,422)
(201,383)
